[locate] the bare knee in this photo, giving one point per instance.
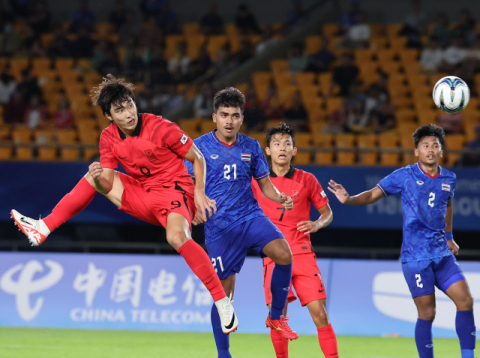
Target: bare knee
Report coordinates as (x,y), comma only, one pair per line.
(283,257)
(176,239)
(427,313)
(321,319)
(465,303)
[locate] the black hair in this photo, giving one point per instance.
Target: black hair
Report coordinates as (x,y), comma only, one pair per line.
(283,129)
(427,131)
(229,97)
(112,90)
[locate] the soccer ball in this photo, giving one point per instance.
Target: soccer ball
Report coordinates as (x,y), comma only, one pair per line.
(451,94)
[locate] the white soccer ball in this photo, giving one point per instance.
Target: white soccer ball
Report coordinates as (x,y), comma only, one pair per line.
(451,94)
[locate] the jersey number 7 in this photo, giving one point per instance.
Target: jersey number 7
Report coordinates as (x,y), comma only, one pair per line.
(283,212)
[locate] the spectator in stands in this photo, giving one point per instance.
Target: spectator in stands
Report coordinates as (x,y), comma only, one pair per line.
(63,118)
(134,64)
(296,115)
(111,64)
(271,104)
(28,86)
(83,18)
(373,99)
(148,102)
(10,40)
(297,58)
(7,88)
(172,100)
(100,54)
(40,19)
(297,15)
(382,85)
(452,123)
(151,8)
(355,93)
(222,60)
(83,46)
(14,111)
(167,20)
(414,25)
(212,23)
(36,50)
(320,61)
(442,31)
(202,63)
(254,116)
(266,41)
(203,104)
(130,28)
(472,59)
(466,27)
(338,120)
(345,74)
(349,17)
(151,35)
(157,68)
(472,159)
(119,15)
(357,120)
(432,56)
(358,35)
(35,113)
(178,64)
(244,54)
(246,22)
(60,45)
(383,118)
(453,55)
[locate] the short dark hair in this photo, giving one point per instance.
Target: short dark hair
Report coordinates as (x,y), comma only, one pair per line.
(112,90)
(427,131)
(228,97)
(283,129)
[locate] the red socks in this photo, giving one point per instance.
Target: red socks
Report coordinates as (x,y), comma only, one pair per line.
(279,344)
(200,264)
(328,341)
(71,204)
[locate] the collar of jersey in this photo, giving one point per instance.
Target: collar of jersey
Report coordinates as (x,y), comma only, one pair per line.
(225,144)
(289,174)
(421,170)
(137,130)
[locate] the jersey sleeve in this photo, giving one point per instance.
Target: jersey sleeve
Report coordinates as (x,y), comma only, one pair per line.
(260,165)
(393,183)
(171,136)
(316,193)
(107,158)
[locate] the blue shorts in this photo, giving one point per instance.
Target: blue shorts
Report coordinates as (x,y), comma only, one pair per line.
(228,253)
(422,276)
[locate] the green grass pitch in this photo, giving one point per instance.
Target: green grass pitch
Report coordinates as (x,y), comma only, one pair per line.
(57,343)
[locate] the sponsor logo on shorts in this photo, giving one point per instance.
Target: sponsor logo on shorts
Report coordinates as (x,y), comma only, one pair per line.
(151,157)
(184,139)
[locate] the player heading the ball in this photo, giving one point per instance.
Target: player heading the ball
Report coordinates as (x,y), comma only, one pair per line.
(428,247)
(158,188)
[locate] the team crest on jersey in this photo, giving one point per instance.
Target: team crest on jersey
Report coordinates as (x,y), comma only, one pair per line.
(151,157)
(446,187)
(184,139)
(294,194)
(246,156)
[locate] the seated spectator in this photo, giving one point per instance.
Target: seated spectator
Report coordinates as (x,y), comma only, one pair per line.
(202,63)
(244,54)
(345,74)
(83,18)
(10,39)
(28,86)
(167,20)
(254,116)
(157,68)
(414,25)
(222,60)
(178,64)
(296,115)
(100,53)
(266,41)
(358,35)
(355,94)
(297,58)
(442,31)
(320,61)
(7,88)
(349,17)
(382,85)
(466,27)
(119,15)
(60,45)
(171,101)
(472,159)
(432,56)
(453,55)
(357,120)
(63,118)
(14,111)
(36,50)
(246,22)
(35,114)
(83,46)
(338,120)
(40,19)
(383,118)
(297,15)
(129,28)
(212,23)
(271,105)
(373,99)
(203,104)
(452,123)
(148,102)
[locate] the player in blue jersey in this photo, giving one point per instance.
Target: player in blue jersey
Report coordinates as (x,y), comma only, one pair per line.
(428,247)
(240,225)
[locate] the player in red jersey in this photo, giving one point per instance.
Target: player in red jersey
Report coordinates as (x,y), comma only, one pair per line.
(296,225)
(157,189)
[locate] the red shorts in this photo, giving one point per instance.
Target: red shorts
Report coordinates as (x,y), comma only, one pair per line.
(155,206)
(306,279)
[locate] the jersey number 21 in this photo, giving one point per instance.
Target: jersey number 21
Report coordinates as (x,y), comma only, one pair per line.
(228,169)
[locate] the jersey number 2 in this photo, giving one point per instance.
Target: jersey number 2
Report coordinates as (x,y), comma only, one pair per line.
(431,198)
(419,280)
(228,169)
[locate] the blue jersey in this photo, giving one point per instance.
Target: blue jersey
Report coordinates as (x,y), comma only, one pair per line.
(229,176)
(424,204)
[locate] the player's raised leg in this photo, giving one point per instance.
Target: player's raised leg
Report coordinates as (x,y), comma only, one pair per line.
(464,321)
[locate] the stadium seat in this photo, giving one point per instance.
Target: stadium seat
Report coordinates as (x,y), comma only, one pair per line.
(282,79)
(408,56)
(367,141)
(171,42)
(470,130)
(330,30)
(89,154)
(312,44)
(453,142)
(345,141)
(325,80)
(23,153)
(207,125)
(303,140)
(194,43)
(278,65)
(378,43)
(47,154)
(4,133)
(66,136)
(5,153)
(406,128)
(22,135)
(191,125)
(305,78)
(406,143)
(191,28)
(398,43)
(386,55)
(260,137)
(426,116)
(242,87)
(323,141)
(376,29)
(405,115)
(88,136)
(363,55)
(231,29)
(46,39)
(388,141)
(333,104)
(392,30)
(104,29)
(69,154)
(64,65)
(302,158)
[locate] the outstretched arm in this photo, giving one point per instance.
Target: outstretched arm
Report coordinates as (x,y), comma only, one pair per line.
(365,198)
(271,192)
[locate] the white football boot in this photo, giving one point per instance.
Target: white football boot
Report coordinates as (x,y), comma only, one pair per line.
(36,230)
(228,318)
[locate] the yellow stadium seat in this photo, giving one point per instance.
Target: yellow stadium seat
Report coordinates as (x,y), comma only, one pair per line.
(303,140)
(406,143)
(207,126)
(408,56)
(5,153)
(278,65)
(363,55)
(47,154)
(376,29)
(405,115)
(305,78)
(391,68)
(242,87)
(426,116)
(312,44)
(215,43)
(325,79)
(323,141)
(43,136)
(22,135)
(66,136)
(302,158)
(388,141)
(378,43)
(324,158)
(46,40)
(398,43)
(470,130)
(333,104)
(171,42)
(69,154)
(89,153)
(453,142)
(330,30)
(231,29)
(386,55)
(194,43)
(407,128)
(190,124)
(191,28)
(345,141)
(282,79)
(367,142)
(393,30)
(23,154)
(88,136)
(260,137)
(104,29)
(64,65)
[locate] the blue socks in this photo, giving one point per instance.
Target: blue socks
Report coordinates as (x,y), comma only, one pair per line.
(424,338)
(465,326)
(280,286)
(221,339)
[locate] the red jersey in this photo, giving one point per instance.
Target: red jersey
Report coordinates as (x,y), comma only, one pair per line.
(153,155)
(304,189)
